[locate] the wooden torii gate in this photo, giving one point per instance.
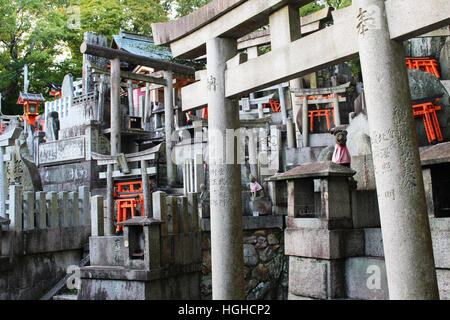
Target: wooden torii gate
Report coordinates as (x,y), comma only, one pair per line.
(374,29)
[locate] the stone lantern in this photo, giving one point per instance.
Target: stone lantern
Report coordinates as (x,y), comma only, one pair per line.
(319,193)
(319,233)
(141,243)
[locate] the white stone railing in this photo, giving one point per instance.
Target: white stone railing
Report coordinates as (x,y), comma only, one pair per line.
(61,106)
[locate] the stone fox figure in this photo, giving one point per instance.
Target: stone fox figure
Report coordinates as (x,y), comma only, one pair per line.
(341,155)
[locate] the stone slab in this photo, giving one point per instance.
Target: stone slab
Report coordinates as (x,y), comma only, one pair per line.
(320,279)
(96,289)
(365,212)
(439,224)
(365,174)
(373,242)
(62,150)
(323,243)
(361,276)
(106,251)
(441,248)
(443,278)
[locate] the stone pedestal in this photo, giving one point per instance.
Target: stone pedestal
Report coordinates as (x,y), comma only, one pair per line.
(319,235)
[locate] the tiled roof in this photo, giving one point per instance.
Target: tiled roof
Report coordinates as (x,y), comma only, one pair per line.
(31,97)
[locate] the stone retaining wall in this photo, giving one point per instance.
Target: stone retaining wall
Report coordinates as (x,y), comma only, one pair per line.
(34,261)
(266,266)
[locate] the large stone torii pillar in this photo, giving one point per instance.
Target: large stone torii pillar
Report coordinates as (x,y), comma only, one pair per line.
(227,258)
(401,197)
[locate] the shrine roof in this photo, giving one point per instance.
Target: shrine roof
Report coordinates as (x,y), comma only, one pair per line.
(140,45)
(35,97)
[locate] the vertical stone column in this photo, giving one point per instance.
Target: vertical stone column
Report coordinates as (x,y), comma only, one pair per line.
(295,84)
(253,151)
(403,212)
(337,114)
(116,115)
(305,122)
(227,255)
(2,185)
(146,189)
(97,220)
(116,118)
(109,219)
(130,98)
(290,132)
(101,99)
(282,104)
(147,110)
(168,111)
(284,28)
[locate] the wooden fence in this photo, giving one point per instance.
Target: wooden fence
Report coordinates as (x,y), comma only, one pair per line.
(41,210)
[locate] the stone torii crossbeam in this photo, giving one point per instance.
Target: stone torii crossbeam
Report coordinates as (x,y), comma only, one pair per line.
(374,29)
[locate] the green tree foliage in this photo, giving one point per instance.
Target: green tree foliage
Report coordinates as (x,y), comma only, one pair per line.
(338,4)
(47,36)
(320,4)
(184,7)
(311,8)
(25,37)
